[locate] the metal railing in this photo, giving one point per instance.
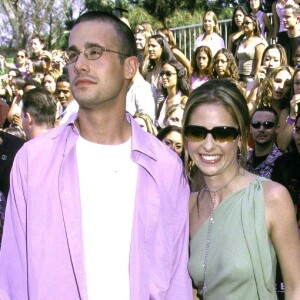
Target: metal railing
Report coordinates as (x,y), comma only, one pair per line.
(186,35)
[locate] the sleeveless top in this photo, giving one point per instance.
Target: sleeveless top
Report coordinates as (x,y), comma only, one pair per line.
(259,17)
(241,261)
(280,12)
(246,56)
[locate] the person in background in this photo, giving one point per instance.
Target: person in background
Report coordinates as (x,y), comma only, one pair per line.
(59,206)
(174,115)
(37,46)
(211,34)
(168,34)
(237,28)
(224,65)
(20,62)
(46,61)
(234,203)
(260,159)
(296,58)
(266,28)
(68,105)
(159,53)
(145,122)
(38,112)
(201,64)
(140,97)
(176,88)
(172,138)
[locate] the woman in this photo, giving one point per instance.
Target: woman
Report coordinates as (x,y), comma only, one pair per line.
(159,53)
(224,65)
(275,89)
(49,80)
(175,87)
(174,115)
(168,34)
(288,114)
(211,34)
(273,57)
(235,228)
(237,28)
(201,64)
(145,122)
(250,49)
(262,18)
(172,138)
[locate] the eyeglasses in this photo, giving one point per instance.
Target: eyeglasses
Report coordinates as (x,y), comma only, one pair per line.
(167,73)
(221,134)
(90,53)
(247,22)
(266,124)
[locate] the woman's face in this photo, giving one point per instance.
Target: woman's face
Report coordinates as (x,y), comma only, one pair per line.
(211,157)
(202,60)
(209,24)
(297,84)
(281,85)
(296,57)
(168,76)
(221,65)
(174,141)
(255,4)
(272,58)
(142,123)
(49,83)
(175,117)
(239,18)
(140,41)
(297,134)
(155,50)
(248,25)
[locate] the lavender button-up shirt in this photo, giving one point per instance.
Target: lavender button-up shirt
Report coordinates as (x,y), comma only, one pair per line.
(42,252)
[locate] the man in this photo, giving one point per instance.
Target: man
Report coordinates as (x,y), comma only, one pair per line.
(37,46)
(263,130)
(291,38)
(98,208)
(38,112)
(64,94)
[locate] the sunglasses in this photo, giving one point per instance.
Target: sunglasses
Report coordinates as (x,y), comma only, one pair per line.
(167,73)
(266,124)
(221,134)
(247,23)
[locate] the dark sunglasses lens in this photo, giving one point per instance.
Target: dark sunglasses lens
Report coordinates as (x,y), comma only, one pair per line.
(266,125)
(167,73)
(195,133)
(224,134)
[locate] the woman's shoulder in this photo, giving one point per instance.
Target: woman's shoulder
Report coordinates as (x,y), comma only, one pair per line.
(274,192)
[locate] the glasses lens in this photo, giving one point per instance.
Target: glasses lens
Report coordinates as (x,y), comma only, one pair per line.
(93,53)
(195,133)
(167,73)
(266,125)
(224,134)
(70,56)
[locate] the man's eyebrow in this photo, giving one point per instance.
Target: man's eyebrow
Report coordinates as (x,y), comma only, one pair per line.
(86,45)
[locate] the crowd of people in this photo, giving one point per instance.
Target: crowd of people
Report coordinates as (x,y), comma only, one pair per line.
(231,119)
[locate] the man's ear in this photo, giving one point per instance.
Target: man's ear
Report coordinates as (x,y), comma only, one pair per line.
(29,118)
(131,65)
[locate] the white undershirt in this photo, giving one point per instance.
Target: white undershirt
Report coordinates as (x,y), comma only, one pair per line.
(107,178)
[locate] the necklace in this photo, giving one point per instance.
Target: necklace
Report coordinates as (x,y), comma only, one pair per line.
(202,292)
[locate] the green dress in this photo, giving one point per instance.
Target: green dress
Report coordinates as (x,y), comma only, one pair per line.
(241,261)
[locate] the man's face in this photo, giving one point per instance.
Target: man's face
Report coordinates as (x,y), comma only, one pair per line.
(63,93)
(36,46)
(262,135)
(94,82)
(289,19)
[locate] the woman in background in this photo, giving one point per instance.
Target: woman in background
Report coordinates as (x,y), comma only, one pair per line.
(201,64)
(145,122)
(211,34)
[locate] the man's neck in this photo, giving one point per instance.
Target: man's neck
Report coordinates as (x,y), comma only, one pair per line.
(263,150)
(294,32)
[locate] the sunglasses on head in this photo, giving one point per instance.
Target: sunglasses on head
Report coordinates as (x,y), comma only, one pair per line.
(221,134)
(167,73)
(266,124)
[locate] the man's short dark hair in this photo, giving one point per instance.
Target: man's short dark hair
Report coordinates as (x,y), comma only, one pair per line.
(41,105)
(31,82)
(40,38)
(124,36)
(269,109)
(63,78)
